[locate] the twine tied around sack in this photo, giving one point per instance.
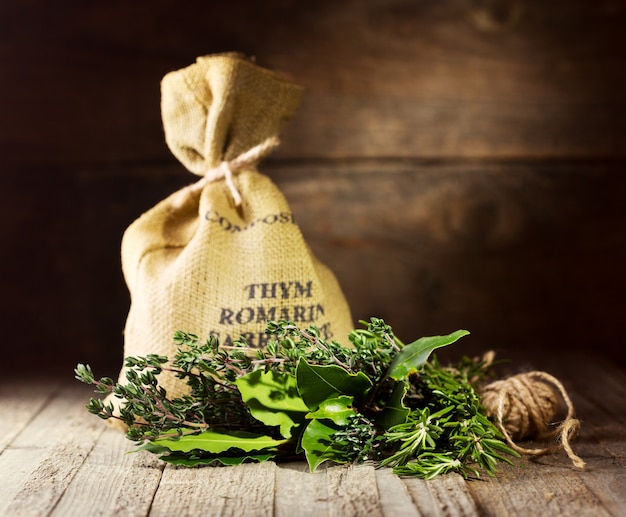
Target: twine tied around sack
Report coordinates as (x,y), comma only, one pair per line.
(524,406)
(225,170)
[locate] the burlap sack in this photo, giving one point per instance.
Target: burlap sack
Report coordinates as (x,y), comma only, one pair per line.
(197,262)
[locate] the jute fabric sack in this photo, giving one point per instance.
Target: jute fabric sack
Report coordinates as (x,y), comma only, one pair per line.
(224,255)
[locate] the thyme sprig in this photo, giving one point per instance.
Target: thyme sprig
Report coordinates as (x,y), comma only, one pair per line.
(377,400)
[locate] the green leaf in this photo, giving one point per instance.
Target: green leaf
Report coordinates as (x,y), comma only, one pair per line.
(318,444)
(154,449)
(271,417)
(318,383)
(337,409)
(411,358)
(238,460)
(273,399)
(395,412)
(192,461)
(214,442)
(275,390)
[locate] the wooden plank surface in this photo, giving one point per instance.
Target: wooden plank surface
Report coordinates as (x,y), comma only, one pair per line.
(441,246)
(395,496)
(65,462)
(19,404)
(492,247)
(111,481)
(290,478)
(410,79)
(353,491)
(244,490)
(40,462)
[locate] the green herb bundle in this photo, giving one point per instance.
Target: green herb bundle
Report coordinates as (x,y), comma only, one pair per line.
(378,400)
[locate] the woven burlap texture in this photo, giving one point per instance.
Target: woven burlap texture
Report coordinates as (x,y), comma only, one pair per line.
(198,263)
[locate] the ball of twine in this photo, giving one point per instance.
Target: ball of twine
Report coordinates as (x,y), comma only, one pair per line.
(524,407)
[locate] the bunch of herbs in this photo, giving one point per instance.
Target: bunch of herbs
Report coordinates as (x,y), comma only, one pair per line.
(377,400)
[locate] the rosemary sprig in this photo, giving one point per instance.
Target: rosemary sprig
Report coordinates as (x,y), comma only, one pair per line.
(451,433)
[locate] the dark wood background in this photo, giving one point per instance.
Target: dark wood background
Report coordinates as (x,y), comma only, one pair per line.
(457,163)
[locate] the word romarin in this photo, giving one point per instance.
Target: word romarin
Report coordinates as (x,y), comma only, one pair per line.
(296,309)
(227,225)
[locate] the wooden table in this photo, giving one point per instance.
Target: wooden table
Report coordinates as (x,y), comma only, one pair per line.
(56,459)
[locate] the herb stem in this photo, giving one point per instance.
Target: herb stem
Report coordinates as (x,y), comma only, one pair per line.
(391,341)
(318,342)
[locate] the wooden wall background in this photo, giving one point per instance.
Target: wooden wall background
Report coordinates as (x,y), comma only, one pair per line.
(458,163)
